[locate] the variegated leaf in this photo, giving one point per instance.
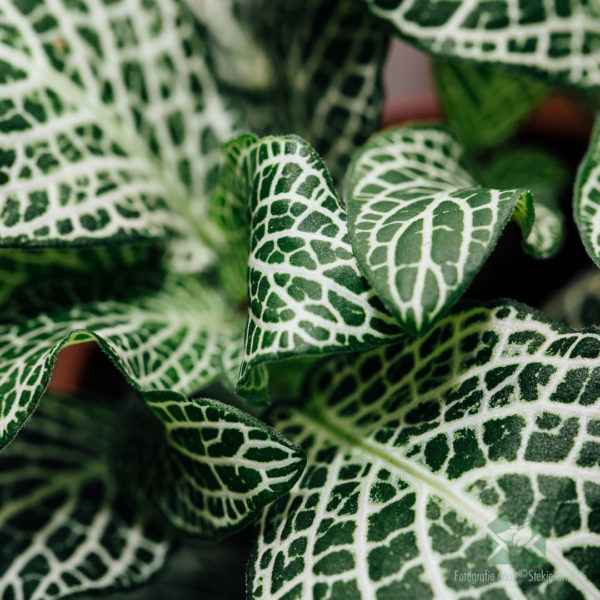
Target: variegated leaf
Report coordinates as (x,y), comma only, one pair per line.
(64,529)
(215,467)
(586,203)
(168,344)
(426,459)
(105,111)
(420,225)
(485,106)
(546,176)
(554,41)
(301,66)
(306,294)
(166,340)
(328,74)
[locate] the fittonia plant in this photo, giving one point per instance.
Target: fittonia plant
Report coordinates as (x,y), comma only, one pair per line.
(198,187)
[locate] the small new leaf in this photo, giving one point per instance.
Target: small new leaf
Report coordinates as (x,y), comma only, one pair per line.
(586,203)
(306,294)
(421,226)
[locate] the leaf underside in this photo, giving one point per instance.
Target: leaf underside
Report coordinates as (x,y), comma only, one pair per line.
(557,42)
(416,451)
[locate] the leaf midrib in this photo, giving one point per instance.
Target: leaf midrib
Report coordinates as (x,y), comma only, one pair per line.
(421,477)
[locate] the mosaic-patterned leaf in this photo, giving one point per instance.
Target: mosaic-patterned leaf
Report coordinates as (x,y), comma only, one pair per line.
(166,340)
(546,176)
(106,109)
(586,202)
(555,41)
(463,464)
(485,106)
(420,225)
(301,66)
(305,292)
(63,527)
(216,467)
(327,85)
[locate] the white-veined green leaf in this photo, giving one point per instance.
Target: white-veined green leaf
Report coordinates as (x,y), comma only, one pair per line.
(306,294)
(217,467)
(64,529)
(420,225)
(416,451)
(106,109)
(307,67)
(546,176)
(329,84)
(556,41)
(166,340)
(485,106)
(587,197)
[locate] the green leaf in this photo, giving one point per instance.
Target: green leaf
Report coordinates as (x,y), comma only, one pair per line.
(217,467)
(485,106)
(63,527)
(214,467)
(170,339)
(546,176)
(33,280)
(578,304)
(556,42)
(104,117)
(416,451)
(306,294)
(420,225)
(587,197)
(257,381)
(302,66)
